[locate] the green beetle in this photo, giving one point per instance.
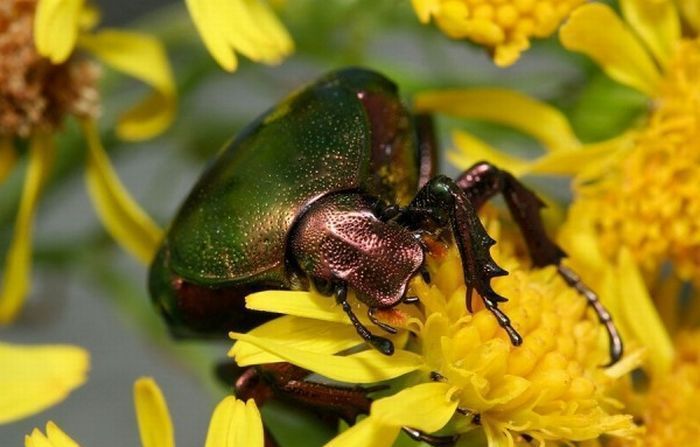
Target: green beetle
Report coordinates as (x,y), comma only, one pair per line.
(335,187)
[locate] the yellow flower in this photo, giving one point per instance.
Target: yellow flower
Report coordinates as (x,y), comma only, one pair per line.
(642,185)
(503,27)
(33,378)
(461,371)
(636,205)
(248,27)
(233,423)
(44,78)
(670,407)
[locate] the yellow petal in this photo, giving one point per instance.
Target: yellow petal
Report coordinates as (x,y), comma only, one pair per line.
(367,433)
(278,43)
(425,407)
(37,439)
(235,424)
(301,304)
(471,149)
(656,22)
(299,333)
(364,367)
(641,316)
(617,50)
(155,425)
(18,259)
(425,9)
(128,224)
(8,157)
(586,162)
(508,107)
(57,437)
(143,57)
(247,26)
(56,24)
(33,378)
(207,21)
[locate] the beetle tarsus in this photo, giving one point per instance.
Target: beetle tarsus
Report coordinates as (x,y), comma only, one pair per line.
(383,345)
(436,441)
(614,339)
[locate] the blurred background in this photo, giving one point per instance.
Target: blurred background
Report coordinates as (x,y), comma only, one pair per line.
(86,291)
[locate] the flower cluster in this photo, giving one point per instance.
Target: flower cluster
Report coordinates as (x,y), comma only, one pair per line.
(503,27)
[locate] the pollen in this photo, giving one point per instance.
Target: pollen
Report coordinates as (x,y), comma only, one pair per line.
(552,387)
(648,201)
(505,27)
(36,95)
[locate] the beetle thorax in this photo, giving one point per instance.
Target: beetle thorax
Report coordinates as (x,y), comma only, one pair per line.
(339,239)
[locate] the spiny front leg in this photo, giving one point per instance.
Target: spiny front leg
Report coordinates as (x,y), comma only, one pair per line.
(443,204)
(484,180)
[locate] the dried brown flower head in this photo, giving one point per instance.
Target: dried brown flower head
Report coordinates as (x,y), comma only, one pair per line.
(36,95)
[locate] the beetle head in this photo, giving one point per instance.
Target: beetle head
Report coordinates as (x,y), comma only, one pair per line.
(340,239)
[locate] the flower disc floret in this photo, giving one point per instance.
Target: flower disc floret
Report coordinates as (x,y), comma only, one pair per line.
(504,27)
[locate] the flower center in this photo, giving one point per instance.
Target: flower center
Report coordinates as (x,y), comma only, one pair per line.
(552,387)
(649,203)
(503,25)
(36,95)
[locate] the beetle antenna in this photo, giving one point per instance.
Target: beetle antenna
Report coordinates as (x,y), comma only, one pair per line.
(383,345)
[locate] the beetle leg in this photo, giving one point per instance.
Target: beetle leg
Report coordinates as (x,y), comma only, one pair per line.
(288,382)
(481,182)
(383,345)
(436,441)
(452,209)
(373,318)
(427,148)
(614,339)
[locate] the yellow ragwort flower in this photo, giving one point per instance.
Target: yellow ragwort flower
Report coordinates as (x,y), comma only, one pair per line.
(33,378)
(642,186)
(646,198)
(44,78)
(248,27)
(670,407)
(552,388)
(233,423)
(504,27)
(636,195)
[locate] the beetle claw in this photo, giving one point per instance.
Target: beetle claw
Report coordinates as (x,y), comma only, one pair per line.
(381,344)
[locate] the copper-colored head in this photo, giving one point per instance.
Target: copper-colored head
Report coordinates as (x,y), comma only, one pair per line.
(340,239)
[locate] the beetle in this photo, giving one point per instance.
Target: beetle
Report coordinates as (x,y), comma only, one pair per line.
(335,188)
